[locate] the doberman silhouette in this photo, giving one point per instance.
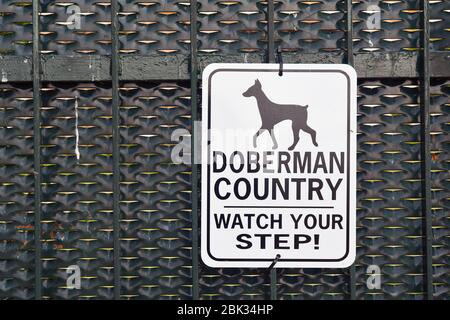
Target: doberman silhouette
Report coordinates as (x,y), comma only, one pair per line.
(272,113)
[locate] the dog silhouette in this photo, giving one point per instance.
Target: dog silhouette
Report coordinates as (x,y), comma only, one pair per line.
(273,113)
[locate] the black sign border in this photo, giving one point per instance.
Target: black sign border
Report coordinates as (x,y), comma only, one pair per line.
(348,166)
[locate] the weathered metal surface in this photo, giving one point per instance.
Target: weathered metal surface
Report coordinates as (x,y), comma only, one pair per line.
(176,67)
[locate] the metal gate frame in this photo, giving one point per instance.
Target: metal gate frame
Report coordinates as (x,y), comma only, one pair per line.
(423,65)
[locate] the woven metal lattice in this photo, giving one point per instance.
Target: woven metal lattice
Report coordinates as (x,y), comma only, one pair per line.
(389,189)
(156,241)
(16,195)
(149,27)
(15,27)
(387,25)
(439,24)
(77,189)
(75,27)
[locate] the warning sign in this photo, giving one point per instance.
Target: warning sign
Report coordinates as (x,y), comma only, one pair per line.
(278,165)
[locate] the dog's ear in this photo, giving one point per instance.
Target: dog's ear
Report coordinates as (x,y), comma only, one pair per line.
(258,83)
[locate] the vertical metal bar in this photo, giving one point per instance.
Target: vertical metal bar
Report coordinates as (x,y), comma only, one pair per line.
(426,150)
(194,197)
(270,31)
(37,148)
(349,18)
(271,59)
(350,61)
(115,141)
(273,284)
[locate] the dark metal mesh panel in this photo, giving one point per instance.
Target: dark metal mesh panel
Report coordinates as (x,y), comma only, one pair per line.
(145,27)
(440,182)
(310,26)
(154,26)
(77,189)
(440,25)
(241,26)
(305,284)
(156,210)
(232,26)
(233,283)
(224,26)
(15,27)
(76,27)
(390,219)
(16,192)
(385,25)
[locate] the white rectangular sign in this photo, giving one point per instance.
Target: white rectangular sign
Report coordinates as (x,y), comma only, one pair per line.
(278,165)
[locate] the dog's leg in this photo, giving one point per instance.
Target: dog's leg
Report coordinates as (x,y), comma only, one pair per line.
(312,132)
(255,136)
(296,135)
(272,134)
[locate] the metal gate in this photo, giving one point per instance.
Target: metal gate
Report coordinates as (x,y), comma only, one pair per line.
(92,91)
